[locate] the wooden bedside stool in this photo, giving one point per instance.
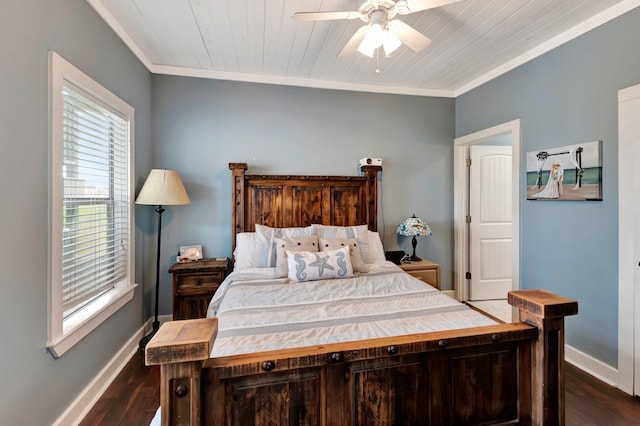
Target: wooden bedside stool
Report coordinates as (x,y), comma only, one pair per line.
(424,270)
(194,284)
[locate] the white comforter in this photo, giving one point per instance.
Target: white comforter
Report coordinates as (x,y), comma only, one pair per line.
(257,312)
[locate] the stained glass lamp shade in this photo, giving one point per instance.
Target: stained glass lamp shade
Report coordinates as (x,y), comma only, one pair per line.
(413,227)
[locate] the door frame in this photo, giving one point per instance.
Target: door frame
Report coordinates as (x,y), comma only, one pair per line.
(628,251)
(461,202)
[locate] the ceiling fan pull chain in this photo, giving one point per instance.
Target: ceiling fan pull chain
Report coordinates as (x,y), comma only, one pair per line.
(378,60)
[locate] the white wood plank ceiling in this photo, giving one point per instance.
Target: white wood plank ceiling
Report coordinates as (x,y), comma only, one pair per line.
(257,40)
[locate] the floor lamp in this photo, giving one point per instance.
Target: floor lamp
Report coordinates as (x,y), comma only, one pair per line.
(162,188)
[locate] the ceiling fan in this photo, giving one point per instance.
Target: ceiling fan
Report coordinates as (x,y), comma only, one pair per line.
(382,28)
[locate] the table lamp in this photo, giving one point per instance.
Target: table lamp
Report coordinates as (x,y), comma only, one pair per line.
(412,227)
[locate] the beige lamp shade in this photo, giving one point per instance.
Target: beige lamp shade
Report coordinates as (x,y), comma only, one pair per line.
(163,188)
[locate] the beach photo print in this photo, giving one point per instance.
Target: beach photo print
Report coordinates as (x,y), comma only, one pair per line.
(569,173)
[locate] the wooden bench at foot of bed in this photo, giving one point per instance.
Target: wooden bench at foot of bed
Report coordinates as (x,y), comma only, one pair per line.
(485,375)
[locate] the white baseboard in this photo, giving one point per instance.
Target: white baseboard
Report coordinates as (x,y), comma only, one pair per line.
(79,408)
(161,318)
(592,366)
(450,293)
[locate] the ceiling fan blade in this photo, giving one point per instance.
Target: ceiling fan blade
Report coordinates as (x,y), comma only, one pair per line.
(354,42)
(419,5)
(409,36)
(325,16)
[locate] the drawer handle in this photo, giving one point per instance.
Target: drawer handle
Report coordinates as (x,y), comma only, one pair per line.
(199,283)
(181,391)
(268,365)
(335,357)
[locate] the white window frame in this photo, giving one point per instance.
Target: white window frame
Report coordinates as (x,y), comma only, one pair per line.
(63,333)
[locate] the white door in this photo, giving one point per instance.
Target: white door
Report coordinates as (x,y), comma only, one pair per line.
(490,230)
(629,240)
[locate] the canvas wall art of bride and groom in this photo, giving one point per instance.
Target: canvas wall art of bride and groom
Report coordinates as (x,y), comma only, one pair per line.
(572,172)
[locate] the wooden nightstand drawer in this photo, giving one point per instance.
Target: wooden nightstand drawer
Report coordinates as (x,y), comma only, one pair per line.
(194,284)
(430,277)
(205,282)
(424,270)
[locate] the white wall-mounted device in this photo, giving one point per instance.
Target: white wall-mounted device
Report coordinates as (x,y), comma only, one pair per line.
(368,161)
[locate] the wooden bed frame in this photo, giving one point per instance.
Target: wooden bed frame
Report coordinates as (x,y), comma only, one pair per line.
(507,373)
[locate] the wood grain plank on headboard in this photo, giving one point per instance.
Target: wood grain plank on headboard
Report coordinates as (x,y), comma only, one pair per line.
(371,173)
(285,200)
(237,199)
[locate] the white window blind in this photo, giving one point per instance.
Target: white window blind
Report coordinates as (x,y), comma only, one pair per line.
(91,272)
(95,196)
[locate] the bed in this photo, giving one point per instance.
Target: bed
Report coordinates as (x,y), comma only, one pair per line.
(373,346)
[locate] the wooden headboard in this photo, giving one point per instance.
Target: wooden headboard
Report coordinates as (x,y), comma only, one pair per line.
(282,201)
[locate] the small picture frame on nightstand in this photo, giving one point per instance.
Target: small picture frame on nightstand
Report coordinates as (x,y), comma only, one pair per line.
(190,253)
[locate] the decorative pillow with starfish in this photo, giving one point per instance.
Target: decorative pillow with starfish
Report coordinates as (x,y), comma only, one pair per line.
(312,266)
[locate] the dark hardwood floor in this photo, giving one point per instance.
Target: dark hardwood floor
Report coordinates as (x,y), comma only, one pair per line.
(132,399)
(592,402)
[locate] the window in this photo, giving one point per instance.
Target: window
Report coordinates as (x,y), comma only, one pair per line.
(91,259)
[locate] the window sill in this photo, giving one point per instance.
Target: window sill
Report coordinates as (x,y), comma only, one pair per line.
(83,322)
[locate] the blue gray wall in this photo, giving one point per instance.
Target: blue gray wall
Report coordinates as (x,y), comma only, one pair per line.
(565,97)
(199,126)
(38,387)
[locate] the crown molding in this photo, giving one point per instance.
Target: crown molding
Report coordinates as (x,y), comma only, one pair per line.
(299,82)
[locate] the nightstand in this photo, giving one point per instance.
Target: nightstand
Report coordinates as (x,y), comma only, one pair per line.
(424,270)
(194,284)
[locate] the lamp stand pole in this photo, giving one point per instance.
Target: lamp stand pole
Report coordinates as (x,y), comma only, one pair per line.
(414,243)
(156,323)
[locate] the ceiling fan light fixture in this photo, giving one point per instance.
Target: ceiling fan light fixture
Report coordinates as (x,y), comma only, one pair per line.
(366,49)
(390,42)
(372,40)
(381,28)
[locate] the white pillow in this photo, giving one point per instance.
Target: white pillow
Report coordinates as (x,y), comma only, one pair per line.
(311,266)
(327,244)
(269,235)
(250,252)
(287,245)
(359,232)
(375,247)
